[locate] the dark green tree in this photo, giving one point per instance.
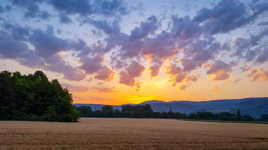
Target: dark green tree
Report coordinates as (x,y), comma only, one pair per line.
(34,97)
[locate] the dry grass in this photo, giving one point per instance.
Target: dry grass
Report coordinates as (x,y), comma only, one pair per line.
(132,134)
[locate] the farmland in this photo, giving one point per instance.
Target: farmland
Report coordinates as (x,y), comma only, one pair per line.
(132,134)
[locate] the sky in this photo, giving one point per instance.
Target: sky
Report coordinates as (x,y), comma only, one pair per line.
(130,51)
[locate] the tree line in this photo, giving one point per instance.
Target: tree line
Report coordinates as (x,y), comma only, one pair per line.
(145,111)
(34,97)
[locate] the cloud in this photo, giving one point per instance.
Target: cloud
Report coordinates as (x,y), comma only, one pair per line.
(263,56)
(83,8)
(104,89)
(105,74)
(193,77)
(44,55)
(74,88)
(65,19)
(91,65)
(184,43)
(252,48)
(145,28)
(176,73)
(219,70)
(32,8)
(56,64)
(258,74)
(106,27)
(228,15)
(47,43)
(90,7)
(11,48)
(18,32)
(128,76)
(199,52)
(183,87)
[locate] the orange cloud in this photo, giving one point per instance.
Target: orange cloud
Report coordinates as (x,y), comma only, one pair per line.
(258,74)
(219,70)
(183,87)
(220,75)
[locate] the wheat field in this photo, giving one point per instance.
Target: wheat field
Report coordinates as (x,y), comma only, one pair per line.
(132,134)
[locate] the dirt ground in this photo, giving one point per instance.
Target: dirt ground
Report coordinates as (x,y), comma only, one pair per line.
(132,134)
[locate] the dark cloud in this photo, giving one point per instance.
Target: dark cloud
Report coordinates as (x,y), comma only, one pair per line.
(252,48)
(263,56)
(228,15)
(199,52)
(105,26)
(47,43)
(65,19)
(18,32)
(32,8)
(185,29)
(89,7)
(84,8)
(11,48)
(145,28)
(81,7)
(45,52)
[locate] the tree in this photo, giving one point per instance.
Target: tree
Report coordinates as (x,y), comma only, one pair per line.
(238,115)
(264,117)
(34,97)
(85,111)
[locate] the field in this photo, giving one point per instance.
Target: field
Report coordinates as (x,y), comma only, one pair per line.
(132,134)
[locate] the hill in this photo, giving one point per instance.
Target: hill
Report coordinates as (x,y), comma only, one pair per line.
(254,107)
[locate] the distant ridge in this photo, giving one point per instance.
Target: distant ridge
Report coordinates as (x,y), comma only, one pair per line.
(151,102)
(250,106)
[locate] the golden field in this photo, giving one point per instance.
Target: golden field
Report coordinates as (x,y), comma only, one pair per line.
(132,134)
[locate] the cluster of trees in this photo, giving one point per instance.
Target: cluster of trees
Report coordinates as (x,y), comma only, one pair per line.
(34,97)
(225,116)
(145,111)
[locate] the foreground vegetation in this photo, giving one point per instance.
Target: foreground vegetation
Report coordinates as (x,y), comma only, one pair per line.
(34,97)
(132,134)
(145,111)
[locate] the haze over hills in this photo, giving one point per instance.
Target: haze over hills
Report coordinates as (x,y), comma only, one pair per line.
(254,107)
